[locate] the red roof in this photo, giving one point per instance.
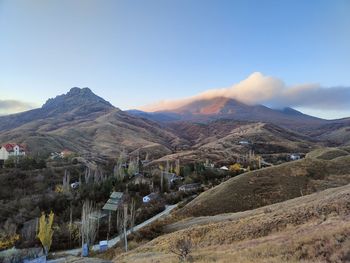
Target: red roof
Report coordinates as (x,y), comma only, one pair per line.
(9,146)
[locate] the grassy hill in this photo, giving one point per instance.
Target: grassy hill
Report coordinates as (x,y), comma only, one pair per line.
(318,171)
(313,228)
(219,140)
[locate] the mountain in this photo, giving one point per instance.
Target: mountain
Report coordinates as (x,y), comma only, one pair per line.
(76,103)
(205,110)
(84,122)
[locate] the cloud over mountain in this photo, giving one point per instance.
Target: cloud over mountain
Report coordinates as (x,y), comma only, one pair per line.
(270,91)
(14,106)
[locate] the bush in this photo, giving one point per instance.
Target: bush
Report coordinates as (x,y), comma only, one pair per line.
(182,248)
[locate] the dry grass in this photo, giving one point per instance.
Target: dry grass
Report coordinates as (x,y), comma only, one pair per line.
(312,228)
(272,185)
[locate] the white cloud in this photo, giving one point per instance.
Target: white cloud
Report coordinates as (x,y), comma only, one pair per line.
(270,91)
(14,106)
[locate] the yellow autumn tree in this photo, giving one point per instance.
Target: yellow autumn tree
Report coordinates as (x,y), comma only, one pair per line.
(45,231)
(8,241)
(235,167)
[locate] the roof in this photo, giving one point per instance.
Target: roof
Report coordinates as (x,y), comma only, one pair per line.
(152,195)
(114,201)
(111,207)
(9,146)
(116,195)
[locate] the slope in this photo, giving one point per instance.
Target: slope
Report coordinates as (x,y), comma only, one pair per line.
(272,185)
(313,228)
(219,141)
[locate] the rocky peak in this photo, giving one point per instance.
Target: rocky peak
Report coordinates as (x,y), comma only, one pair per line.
(75,98)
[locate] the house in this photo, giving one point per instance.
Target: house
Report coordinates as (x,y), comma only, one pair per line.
(244,142)
(190,187)
(11,149)
(150,197)
(294,157)
(66,153)
(75,185)
(224,168)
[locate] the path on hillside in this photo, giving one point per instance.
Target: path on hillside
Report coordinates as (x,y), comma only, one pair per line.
(112,242)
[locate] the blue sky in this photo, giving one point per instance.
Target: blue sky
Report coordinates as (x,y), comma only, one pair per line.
(133,53)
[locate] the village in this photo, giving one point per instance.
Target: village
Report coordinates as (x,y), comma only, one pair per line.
(101,200)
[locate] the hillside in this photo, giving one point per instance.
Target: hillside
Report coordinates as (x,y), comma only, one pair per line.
(84,123)
(275,184)
(313,228)
(219,140)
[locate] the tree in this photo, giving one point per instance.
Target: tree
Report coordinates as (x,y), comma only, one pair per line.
(133,168)
(10,162)
(132,214)
(119,171)
(66,181)
(177,167)
(88,229)
(235,167)
(182,248)
(8,235)
(45,231)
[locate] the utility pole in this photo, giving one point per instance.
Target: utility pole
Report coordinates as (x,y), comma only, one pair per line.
(109,224)
(125,224)
(161,181)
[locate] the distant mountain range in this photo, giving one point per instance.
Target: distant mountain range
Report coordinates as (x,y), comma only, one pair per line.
(205,110)
(86,123)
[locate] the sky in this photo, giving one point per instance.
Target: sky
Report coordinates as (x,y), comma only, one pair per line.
(134,53)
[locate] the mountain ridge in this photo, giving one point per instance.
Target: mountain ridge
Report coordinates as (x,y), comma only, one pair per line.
(206,110)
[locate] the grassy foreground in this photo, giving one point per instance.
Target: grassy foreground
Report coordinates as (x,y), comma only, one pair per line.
(313,228)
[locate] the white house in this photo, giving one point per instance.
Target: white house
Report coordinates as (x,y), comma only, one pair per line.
(11,149)
(150,197)
(295,157)
(224,168)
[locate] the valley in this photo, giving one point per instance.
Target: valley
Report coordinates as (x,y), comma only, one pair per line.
(243,178)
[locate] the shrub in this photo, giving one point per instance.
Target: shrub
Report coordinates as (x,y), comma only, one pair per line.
(182,248)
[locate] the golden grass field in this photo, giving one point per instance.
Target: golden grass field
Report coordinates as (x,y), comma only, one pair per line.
(313,228)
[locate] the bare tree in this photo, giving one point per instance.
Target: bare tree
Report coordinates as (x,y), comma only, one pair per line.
(125,226)
(182,248)
(132,214)
(118,171)
(88,228)
(133,167)
(66,181)
(87,175)
(177,167)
